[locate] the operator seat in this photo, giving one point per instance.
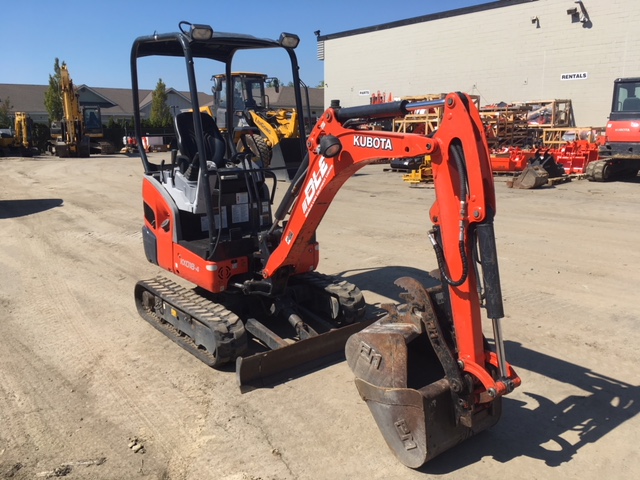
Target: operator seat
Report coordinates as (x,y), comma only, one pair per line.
(214,144)
(631,104)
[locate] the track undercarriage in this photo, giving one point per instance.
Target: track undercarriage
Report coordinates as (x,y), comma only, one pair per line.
(612,168)
(270,338)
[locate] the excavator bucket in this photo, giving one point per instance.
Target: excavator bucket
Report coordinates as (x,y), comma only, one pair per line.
(401,363)
(530,178)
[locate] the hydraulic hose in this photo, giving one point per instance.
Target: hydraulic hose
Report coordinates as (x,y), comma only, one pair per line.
(457,153)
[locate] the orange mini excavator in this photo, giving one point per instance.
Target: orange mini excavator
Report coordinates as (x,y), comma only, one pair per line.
(425,369)
(619,152)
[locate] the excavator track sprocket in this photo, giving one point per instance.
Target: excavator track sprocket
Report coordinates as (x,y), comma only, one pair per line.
(208,330)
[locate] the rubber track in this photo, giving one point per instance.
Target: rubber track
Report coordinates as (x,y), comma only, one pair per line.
(349,296)
(595,171)
(226,327)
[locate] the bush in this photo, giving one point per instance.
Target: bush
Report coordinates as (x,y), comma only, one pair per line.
(114,134)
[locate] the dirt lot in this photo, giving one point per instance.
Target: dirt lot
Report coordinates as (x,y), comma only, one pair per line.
(84,381)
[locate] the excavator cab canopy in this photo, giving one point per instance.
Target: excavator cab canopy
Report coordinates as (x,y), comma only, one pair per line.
(626,99)
(195,41)
(204,42)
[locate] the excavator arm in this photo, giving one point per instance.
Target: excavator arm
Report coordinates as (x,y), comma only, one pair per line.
(425,369)
(71,106)
(73,141)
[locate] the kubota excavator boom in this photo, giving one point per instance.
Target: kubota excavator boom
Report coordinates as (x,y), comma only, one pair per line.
(425,369)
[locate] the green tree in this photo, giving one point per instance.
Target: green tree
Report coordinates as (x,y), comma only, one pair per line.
(160,111)
(52,97)
(5,110)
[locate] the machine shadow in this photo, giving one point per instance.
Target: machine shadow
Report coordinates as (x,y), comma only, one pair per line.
(635,179)
(551,432)
(23,208)
(381,280)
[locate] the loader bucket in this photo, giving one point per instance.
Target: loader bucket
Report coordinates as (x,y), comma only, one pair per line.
(286,158)
(405,387)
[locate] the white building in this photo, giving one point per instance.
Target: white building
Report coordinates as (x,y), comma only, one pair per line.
(503,51)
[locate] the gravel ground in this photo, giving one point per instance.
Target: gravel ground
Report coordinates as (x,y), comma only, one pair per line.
(89,390)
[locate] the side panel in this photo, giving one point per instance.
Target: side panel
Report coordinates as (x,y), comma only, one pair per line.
(160,219)
(150,245)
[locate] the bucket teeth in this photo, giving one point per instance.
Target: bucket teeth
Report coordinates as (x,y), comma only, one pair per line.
(415,292)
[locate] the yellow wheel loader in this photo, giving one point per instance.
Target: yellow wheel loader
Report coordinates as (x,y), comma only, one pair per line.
(257,127)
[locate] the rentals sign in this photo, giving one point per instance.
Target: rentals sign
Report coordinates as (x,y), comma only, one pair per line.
(574,76)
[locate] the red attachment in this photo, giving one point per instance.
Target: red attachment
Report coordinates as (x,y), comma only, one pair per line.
(513,159)
(575,156)
(380,97)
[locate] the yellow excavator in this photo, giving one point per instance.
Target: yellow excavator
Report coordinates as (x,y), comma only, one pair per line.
(19,142)
(80,131)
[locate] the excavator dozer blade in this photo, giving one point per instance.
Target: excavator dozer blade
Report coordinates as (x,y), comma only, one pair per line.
(404,384)
(275,366)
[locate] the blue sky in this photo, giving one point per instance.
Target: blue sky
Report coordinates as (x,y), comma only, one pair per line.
(95,38)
